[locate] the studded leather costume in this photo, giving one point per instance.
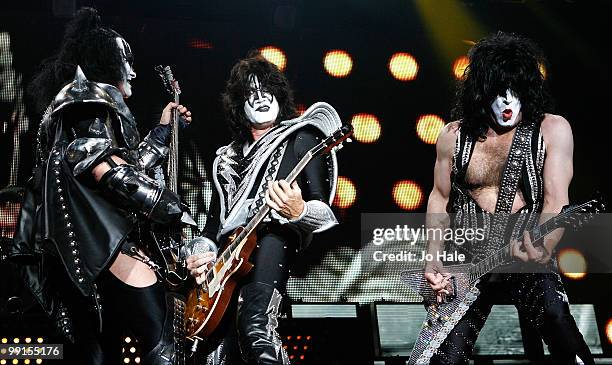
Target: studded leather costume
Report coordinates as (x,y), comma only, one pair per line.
(242,175)
(539,297)
(72,227)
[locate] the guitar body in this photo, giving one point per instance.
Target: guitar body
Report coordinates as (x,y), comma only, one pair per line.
(207,303)
(441,318)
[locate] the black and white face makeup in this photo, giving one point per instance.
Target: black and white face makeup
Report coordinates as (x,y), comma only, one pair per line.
(261,106)
(127,70)
(506,109)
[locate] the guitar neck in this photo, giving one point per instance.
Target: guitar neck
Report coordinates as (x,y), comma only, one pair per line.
(173,154)
(503,255)
(258,218)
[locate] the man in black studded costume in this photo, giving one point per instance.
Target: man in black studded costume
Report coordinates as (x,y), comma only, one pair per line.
(92,193)
(502,115)
(248,174)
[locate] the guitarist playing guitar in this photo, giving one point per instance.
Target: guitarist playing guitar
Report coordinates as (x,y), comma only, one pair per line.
(269,141)
(505,154)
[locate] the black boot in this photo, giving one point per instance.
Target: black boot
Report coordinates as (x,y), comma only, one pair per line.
(170,349)
(257,319)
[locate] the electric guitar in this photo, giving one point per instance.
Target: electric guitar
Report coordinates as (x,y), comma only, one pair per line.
(442,317)
(207,303)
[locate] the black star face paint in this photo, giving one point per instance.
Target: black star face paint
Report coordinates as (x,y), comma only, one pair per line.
(260,106)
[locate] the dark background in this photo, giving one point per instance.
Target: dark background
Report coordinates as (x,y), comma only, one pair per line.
(575,36)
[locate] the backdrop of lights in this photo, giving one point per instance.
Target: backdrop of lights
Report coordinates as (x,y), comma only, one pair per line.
(346,193)
(275,55)
(367,128)
(338,63)
(403,66)
(572,263)
(428,128)
(459,67)
(407,194)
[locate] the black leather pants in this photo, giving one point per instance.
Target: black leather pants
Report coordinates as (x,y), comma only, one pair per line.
(250,335)
(539,299)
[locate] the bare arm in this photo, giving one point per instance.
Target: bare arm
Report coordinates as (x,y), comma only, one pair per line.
(558,172)
(437,217)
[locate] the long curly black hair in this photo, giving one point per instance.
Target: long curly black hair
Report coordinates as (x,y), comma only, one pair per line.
(86,43)
(236,93)
(499,62)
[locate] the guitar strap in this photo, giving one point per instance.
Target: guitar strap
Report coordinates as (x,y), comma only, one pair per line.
(441,320)
(509,184)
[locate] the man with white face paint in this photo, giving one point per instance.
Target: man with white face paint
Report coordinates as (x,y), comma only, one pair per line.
(506,109)
(268,143)
(504,153)
(99,182)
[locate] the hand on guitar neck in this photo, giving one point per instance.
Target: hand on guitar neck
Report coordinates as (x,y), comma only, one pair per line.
(166,116)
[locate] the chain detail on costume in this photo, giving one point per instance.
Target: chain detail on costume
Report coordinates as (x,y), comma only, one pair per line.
(270,176)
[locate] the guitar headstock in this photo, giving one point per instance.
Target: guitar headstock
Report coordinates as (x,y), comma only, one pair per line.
(168,79)
(578,215)
(336,139)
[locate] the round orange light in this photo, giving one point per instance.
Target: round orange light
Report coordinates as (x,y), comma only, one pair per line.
(338,63)
(407,194)
(274,55)
(459,67)
(572,263)
(345,196)
(366,128)
(403,66)
(609,330)
(428,128)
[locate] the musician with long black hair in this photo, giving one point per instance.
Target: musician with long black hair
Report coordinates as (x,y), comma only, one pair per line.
(269,139)
(505,153)
(79,237)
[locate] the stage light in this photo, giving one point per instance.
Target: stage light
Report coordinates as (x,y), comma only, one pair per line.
(39,361)
(338,63)
(128,340)
(28,339)
(300,108)
(572,263)
(132,349)
(197,43)
(459,67)
(403,66)
(609,331)
(428,128)
(366,127)
(2,362)
(126,360)
(39,340)
(15,361)
(274,55)
(345,193)
(137,360)
(407,194)
(4,340)
(543,71)
(15,340)
(26,361)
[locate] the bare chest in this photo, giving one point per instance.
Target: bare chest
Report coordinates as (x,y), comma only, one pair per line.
(487,163)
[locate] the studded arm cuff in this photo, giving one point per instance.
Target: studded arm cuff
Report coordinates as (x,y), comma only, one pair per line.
(316,217)
(151,152)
